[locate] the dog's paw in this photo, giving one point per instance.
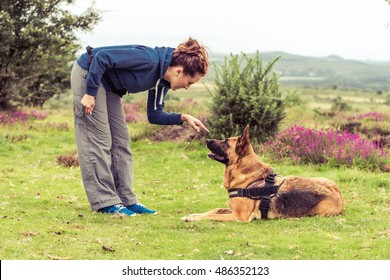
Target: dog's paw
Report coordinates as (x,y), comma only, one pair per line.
(185,219)
(190,218)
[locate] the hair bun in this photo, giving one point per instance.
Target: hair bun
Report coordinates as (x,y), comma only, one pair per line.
(192,56)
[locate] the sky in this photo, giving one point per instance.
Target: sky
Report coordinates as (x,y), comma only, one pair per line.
(352,29)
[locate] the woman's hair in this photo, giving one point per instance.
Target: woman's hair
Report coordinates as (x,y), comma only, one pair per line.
(192,57)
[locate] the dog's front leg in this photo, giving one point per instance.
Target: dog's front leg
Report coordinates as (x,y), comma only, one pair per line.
(214,211)
(198,216)
(218,214)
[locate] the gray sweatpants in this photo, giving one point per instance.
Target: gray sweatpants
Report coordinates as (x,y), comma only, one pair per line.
(103,144)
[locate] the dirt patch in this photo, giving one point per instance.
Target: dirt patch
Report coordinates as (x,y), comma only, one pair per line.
(178,133)
(68,160)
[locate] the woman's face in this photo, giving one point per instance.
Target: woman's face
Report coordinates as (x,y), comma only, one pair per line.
(181,80)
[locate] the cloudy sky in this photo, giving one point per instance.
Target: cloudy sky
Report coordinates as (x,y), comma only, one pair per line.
(352,29)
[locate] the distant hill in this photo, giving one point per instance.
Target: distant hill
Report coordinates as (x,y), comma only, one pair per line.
(329,71)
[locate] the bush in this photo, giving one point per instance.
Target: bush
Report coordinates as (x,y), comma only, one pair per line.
(373,125)
(132,112)
(340,105)
(303,145)
(38,42)
(15,117)
(246,93)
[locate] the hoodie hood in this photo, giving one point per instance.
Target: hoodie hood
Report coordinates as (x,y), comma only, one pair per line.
(165,57)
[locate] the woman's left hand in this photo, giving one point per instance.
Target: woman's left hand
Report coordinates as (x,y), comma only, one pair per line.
(194,122)
(88,102)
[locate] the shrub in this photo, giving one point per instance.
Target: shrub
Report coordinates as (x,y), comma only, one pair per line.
(246,93)
(374,116)
(14,117)
(340,105)
(373,125)
(38,41)
(303,145)
(132,114)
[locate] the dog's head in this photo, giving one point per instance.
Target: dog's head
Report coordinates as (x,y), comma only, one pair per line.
(231,150)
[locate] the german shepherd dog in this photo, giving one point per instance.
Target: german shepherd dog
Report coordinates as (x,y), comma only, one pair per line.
(255,192)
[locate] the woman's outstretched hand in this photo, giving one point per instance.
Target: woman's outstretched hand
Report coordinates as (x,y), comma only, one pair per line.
(193,122)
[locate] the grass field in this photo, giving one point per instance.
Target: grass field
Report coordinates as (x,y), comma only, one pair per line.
(44,213)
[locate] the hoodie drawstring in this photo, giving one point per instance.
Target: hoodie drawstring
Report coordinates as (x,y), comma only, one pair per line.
(161,96)
(155,97)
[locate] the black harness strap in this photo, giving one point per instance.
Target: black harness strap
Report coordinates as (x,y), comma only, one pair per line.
(268,190)
(264,194)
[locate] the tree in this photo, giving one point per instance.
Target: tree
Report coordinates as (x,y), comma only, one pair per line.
(246,93)
(38,44)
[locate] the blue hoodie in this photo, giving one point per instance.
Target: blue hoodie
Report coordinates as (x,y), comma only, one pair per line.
(132,69)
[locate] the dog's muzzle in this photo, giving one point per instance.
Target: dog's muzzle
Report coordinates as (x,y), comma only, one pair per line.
(216,151)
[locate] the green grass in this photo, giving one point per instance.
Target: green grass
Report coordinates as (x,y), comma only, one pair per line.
(44,213)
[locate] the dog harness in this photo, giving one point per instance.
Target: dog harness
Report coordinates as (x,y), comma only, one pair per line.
(263,193)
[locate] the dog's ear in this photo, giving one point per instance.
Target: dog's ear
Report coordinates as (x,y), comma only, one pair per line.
(246,131)
(243,142)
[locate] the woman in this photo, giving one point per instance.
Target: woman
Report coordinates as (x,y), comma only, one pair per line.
(100,77)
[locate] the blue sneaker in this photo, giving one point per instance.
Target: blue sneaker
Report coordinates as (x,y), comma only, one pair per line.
(117,209)
(140,209)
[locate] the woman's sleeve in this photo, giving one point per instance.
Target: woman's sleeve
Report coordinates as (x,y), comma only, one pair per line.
(155,109)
